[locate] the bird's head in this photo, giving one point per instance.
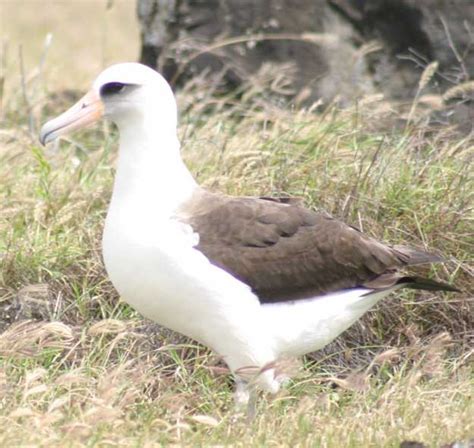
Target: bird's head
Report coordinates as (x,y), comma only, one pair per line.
(122,93)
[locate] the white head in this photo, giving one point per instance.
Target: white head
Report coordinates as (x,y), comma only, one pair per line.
(123,93)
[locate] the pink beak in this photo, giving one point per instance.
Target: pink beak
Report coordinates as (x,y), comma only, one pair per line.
(86,111)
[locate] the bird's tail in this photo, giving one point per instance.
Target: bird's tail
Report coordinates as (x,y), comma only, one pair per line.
(426,284)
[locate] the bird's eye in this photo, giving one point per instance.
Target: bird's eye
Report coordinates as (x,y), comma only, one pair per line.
(112,88)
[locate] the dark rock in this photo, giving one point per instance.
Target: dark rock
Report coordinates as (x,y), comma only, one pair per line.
(322,49)
(234,39)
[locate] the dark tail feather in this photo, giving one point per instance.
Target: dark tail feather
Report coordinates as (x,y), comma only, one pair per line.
(426,284)
(412,256)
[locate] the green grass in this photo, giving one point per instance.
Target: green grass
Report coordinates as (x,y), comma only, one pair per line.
(79,367)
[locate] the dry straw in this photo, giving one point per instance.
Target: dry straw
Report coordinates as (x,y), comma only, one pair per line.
(425,78)
(459,90)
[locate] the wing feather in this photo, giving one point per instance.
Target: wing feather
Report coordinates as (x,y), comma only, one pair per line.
(287,252)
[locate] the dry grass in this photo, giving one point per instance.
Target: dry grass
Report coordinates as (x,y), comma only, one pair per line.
(79,367)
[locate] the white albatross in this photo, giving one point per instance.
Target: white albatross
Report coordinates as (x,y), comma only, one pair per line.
(255,279)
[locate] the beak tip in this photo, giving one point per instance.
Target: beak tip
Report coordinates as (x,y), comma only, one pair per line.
(48,133)
(43,136)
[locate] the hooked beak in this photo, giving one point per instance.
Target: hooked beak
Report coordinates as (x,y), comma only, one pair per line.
(87,110)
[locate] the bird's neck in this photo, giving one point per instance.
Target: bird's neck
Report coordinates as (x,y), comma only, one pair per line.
(151,180)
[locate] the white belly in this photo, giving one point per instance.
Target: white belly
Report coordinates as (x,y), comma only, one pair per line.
(307,325)
(168,281)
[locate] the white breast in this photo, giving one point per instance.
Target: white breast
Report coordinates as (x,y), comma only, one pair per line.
(160,273)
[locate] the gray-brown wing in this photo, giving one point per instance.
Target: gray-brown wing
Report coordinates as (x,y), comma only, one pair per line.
(286,252)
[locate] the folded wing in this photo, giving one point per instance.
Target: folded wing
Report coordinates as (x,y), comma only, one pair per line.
(287,252)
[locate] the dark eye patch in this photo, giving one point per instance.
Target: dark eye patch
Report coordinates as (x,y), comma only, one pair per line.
(112,88)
